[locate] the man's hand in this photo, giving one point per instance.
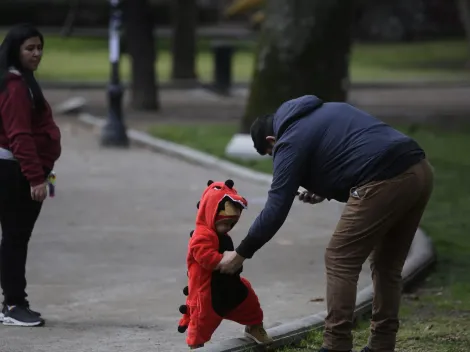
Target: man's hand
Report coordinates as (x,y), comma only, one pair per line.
(231,262)
(39,192)
(309,197)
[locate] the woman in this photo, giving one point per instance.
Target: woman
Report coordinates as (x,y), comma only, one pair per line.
(29,147)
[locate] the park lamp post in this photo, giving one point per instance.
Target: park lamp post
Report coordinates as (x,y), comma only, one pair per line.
(114,130)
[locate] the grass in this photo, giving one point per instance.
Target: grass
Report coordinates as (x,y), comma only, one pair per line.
(209,138)
(86,59)
(437,317)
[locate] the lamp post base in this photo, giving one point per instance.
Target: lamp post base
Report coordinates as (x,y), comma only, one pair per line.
(114,132)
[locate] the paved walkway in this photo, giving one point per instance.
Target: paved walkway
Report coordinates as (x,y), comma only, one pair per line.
(107,260)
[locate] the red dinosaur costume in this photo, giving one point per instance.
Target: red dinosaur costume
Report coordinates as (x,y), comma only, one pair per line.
(213,296)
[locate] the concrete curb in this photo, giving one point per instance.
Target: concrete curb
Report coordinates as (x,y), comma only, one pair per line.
(176,150)
(420,259)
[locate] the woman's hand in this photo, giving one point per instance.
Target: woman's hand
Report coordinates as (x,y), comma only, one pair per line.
(309,197)
(39,192)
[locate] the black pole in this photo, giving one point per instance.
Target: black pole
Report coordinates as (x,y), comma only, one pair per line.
(114,131)
(223,55)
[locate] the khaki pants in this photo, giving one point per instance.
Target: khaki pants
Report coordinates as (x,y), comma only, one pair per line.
(380,219)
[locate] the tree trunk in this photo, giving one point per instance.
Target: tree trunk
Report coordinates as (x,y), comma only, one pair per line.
(304,48)
(184,39)
(140,45)
(464,11)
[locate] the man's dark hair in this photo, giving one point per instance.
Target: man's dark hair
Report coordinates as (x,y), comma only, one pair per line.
(261,128)
(10,58)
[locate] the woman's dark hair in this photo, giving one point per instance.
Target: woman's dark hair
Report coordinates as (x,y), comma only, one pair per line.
(259,130)
(10,58)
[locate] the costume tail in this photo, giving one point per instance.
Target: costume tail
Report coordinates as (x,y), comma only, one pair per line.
(184,309)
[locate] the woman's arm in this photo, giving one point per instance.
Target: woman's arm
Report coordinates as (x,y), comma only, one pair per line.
(16,118)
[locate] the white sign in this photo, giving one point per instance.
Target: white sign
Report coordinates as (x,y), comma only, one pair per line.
(114,47)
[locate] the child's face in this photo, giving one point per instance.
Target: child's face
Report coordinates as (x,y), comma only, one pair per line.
(224,226)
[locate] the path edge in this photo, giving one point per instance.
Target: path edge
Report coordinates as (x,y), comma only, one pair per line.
(188,154)
(421,258)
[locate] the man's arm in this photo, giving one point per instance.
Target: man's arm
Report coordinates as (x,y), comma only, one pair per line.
(205,251)
(288,164)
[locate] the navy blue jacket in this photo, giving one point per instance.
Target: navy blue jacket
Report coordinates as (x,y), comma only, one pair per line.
(328,149)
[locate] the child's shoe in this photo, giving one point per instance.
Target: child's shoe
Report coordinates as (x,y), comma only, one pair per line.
(258,334)
(194,347)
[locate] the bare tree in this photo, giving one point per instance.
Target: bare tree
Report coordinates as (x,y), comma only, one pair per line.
(184,39)
(304,48)
(68,26)
(140,45)
(463,7)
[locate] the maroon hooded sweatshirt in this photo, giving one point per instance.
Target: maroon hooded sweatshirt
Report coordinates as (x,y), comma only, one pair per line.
(32,137)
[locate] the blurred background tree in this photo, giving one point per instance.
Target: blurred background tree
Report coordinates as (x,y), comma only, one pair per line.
(140,43)
(184,16)
(464,10)
(186,28)
(316,62)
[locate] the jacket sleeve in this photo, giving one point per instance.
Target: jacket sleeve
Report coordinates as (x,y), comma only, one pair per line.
(288,162)
(16,119)
(205,251)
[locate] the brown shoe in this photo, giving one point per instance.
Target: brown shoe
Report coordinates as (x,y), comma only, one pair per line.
(258,334)
(195,347)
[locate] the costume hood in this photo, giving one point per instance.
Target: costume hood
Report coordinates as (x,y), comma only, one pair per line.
(213,199)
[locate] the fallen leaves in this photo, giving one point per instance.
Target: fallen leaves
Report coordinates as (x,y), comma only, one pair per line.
(317,299)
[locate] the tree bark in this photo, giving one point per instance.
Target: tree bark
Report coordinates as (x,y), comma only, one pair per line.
(464,11)
(304,48)
(184,39)
(140,45)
